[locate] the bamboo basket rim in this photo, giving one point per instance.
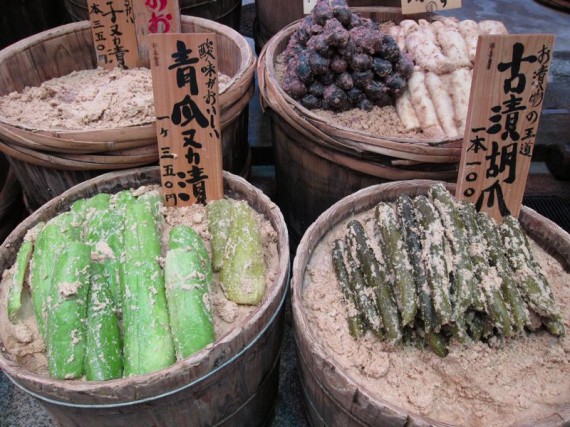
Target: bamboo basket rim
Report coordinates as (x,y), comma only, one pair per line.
(333,134)
(540,228)
(91,140)
(70,162)
(196,368)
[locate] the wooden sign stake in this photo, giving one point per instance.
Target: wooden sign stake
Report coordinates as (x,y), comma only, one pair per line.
(114,34)
(185,83)
(411,7)
(507,92)
(154,17)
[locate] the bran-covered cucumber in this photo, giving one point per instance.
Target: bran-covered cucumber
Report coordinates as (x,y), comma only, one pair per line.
(148,345)
(188,278)
(410,232)
(243,270)
(67,312)
(18,278)
(433,258)
(219,221)
(104,349)
(376,280)
(52,239)
(397,262)
(355,321)
(461,268)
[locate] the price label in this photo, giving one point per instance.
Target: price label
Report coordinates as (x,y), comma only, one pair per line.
(155,17)
(114,33)
(507,93)
(185,85)
(410,7)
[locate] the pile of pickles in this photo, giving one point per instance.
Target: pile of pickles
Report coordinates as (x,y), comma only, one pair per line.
(431,269)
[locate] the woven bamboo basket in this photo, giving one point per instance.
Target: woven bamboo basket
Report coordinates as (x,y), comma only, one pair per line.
(335,397)
(319,161)
(272,16)
(57,52)
(232,383)
(226,12)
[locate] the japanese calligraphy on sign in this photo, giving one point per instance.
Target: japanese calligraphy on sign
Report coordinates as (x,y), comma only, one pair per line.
(509,83)
(155,17)
(185,82)
(422,6)
(114,34)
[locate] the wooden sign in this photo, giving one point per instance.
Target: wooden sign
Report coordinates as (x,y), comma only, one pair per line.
(114,34)
(421,6)
(185,83)
(507,92)
(154,17)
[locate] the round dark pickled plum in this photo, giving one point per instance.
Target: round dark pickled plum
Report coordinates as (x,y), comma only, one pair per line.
(303,69)
(311,102)
(360,62)
(319,64)
(375,90)
(381,67)
(338,64)
(335,98)
(343,14)
(396,84)
(335,34)
(365,104)
(322,12)
(294,87)
(355,95)
(344,81)
(362,78)
(316,88)
(328,78)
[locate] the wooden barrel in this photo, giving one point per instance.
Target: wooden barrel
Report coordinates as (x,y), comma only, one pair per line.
(332,395)
(23,18)
(272,16)
(227,12)
(87,153)
(319,161)
(234,382)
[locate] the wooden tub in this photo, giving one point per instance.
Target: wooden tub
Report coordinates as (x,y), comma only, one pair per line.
(319,161)
(232,383)
(85,153)
(334,395)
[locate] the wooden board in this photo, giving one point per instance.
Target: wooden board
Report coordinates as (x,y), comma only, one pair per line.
(507,92)
(114,34)
(410,7)
(154,17)
(185,82)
